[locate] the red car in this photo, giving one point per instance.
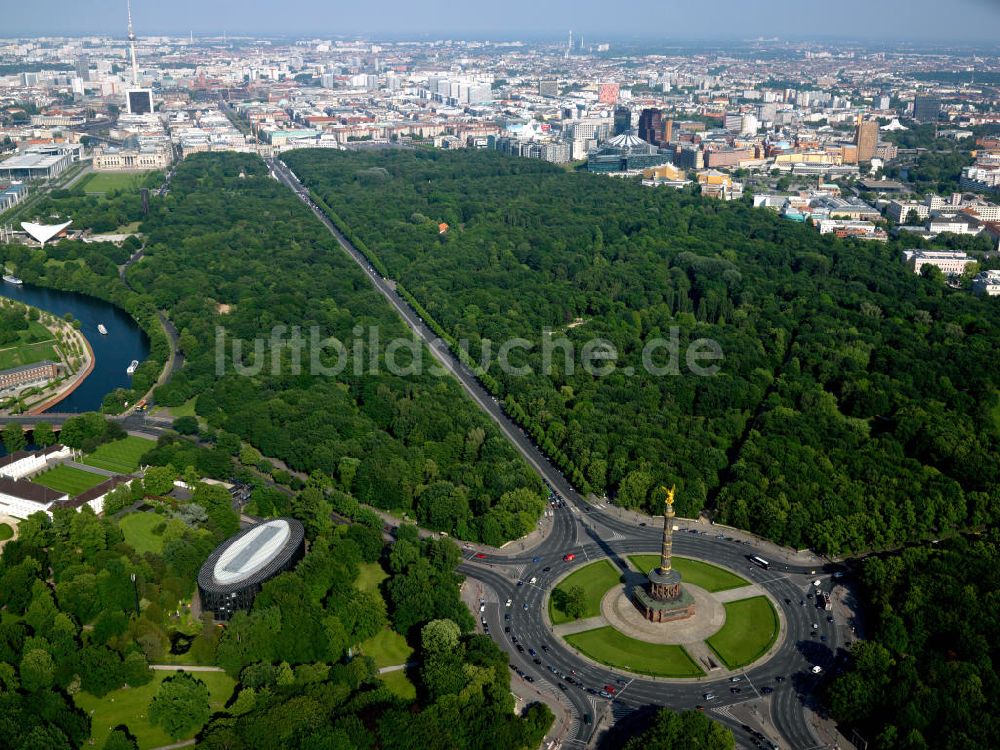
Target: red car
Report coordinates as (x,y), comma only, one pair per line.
(610,689)
(568,558)
(480,556)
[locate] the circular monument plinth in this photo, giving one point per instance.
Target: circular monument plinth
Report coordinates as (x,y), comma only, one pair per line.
(621,613)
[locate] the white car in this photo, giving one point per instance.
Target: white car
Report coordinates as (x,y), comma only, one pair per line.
(817,669)
(533,579)
(482,607)
(817,583)
(509,602)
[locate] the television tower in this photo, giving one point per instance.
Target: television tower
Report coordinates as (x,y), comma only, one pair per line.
(131,44)
(569,47)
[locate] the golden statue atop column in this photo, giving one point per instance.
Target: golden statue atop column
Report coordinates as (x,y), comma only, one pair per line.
(663,599)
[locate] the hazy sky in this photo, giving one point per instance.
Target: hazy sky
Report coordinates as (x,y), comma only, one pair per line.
(923,20)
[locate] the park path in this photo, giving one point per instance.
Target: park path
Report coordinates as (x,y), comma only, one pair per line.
(182,743)
(90,469)
(397,667)
(579,626)
(184,667)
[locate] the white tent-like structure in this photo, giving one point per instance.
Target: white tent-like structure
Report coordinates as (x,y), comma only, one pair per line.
(43,232)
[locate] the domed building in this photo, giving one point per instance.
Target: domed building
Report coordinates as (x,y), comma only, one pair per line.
(233,574)
(625,153)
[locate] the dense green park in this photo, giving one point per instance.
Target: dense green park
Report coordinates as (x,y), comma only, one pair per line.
(299,669)
(851,409)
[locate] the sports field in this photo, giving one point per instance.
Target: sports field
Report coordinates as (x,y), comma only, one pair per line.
(750,629)
(67,479)
(138,531)
(120,456)
(707,576)
(595,579)
(130,706)
(609,646)
(105,182)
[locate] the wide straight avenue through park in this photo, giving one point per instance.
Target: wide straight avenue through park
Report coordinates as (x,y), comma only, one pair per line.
(516,584)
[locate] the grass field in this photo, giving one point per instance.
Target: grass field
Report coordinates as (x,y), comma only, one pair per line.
(371,575)
(6,532)
(399,684)
(616,649)
(595,579)
(750,629)
(105,182)
(138,531)
(130,706)
(387,648)
(707,576)
(27,354)
(67,479)
(120,456)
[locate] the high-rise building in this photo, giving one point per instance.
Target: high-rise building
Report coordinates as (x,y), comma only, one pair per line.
(651,125)
(866,139)
(607,93)
(926,108)
(548,88)
(733,121)
(623,120)
(83,68)
(668,131)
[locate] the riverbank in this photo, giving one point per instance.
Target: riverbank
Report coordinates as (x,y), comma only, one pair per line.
(65,345)
(68,386)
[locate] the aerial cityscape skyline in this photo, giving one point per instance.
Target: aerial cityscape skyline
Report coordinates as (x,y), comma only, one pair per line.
(519,377)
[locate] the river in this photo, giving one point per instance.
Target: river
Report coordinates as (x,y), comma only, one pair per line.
(112,353)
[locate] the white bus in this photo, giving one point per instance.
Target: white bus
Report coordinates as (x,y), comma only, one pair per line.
(760,561)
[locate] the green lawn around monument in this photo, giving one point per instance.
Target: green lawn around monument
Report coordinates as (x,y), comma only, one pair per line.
(615,649)
(750,629)
(705,575)
(595,579)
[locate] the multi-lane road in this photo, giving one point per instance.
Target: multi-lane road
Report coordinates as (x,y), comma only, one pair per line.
(590,532)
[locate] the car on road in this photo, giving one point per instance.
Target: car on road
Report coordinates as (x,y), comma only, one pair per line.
(524,606)
(480,556)
(508,602)
(817,669)
(520,648)
(532,652)
(610,689)
(482,606)
(506,628)
(604,694)
(569,557)
(506,616)
(533,579)
(546,569)
(537,661)
(829,618)
(709,696)
(520,582)
(737,678)
(766,690)
(642,523)
(535,559)
(779,678)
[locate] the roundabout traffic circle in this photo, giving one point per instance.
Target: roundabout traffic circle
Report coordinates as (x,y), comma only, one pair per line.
(735,623)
